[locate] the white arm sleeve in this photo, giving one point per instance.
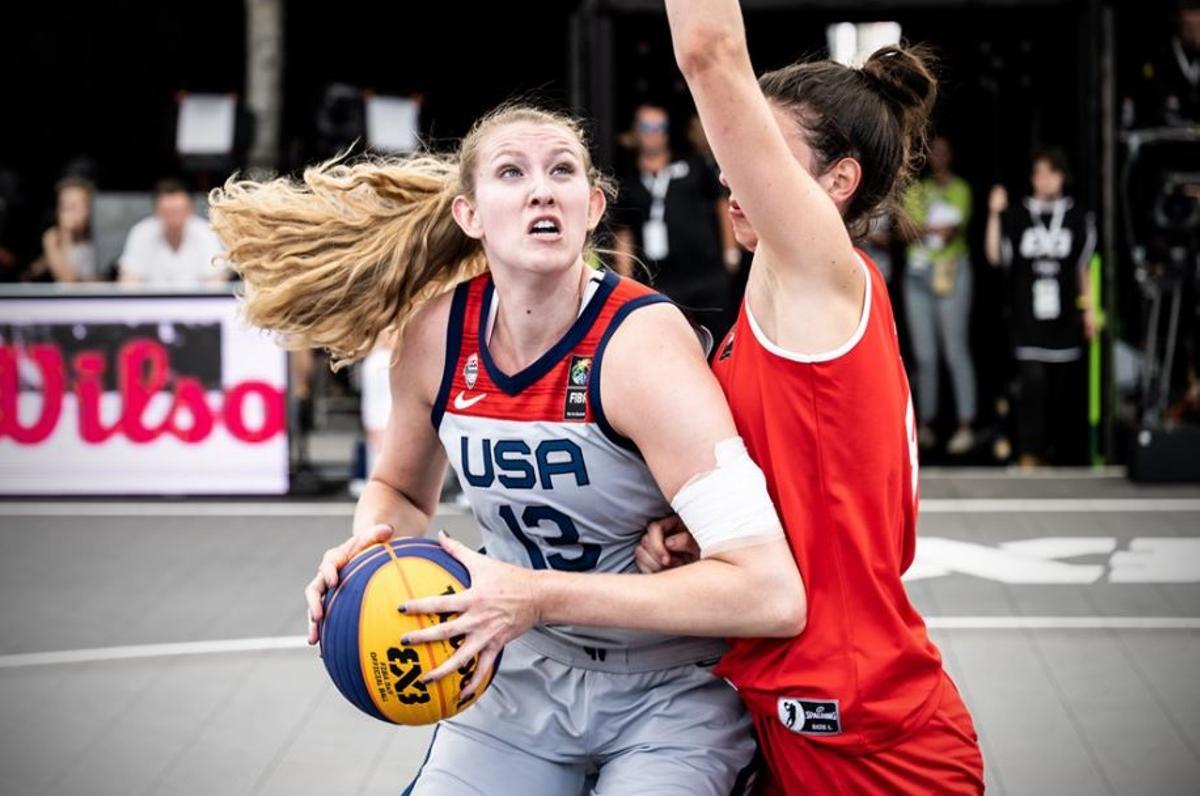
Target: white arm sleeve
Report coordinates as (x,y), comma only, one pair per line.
(728,507)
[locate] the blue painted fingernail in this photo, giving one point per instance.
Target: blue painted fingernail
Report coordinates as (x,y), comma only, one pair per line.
(404,642)
(402,608)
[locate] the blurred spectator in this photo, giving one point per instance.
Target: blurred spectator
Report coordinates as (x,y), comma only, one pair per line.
(937,294)
(68,254)
(1047,245)
(670,214)
(174,247)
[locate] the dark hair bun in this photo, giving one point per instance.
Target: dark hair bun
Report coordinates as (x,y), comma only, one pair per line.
(904,77)
(877,115)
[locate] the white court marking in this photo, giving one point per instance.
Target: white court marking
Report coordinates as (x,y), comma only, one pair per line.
(1055,505)
(1018,474)
(154,508)
(198,509)
(139,651)
(1063,622)
(1146,559)
(152,651)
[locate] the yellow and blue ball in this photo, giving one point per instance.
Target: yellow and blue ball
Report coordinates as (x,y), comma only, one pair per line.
(362,628)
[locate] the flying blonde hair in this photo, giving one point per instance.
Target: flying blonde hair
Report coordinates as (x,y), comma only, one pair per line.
(355,249)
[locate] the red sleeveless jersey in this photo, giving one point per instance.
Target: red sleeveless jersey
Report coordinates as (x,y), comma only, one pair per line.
(836,438)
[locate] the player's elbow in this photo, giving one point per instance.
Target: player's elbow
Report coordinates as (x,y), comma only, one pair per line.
(703,48)
(783,605)
(790,614)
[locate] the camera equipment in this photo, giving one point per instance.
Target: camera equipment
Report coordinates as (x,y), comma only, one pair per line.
(1160,200)
(1160,210)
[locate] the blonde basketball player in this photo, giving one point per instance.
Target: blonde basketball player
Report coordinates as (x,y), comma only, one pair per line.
(575,406)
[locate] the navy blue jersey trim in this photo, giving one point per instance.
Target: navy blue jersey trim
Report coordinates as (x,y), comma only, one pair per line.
(513,385)
(458,310)
(597,369)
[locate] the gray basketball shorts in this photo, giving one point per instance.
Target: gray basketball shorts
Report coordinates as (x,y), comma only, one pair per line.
(560,728)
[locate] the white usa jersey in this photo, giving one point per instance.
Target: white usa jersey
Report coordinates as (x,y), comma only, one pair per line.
(551,484)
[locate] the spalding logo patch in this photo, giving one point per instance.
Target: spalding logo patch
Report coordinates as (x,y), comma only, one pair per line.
(810,716)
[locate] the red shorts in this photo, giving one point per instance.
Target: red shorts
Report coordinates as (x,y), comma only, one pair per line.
(941,757)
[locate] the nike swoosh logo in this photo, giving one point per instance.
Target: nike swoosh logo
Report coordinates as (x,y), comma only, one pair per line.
(462,402)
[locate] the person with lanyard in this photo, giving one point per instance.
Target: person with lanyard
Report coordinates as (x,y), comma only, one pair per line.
(1046,244)
(937,292)
(674,215)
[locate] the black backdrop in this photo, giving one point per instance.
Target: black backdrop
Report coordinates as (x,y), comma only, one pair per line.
(98,80)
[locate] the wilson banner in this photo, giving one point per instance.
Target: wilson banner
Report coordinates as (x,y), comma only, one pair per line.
(116,393)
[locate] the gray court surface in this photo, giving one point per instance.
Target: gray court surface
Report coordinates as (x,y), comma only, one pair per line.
(153,646)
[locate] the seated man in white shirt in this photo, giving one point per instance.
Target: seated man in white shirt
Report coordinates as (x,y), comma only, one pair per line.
(174,247)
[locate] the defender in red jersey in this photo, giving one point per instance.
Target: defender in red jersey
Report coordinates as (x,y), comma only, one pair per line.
(859,702)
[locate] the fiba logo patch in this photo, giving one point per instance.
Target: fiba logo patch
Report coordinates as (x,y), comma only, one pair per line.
(810,716)
(471,370)
(578,374)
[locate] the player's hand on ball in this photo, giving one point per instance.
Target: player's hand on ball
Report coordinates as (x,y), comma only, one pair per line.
(327,572)
(666,544)
(498,607)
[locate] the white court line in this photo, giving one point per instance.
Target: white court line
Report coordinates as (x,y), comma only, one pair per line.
(299,642)
(152,651)
(198,509)
(1063,622)
(182,509)
(1065,505)
(1018,474)
(314,509)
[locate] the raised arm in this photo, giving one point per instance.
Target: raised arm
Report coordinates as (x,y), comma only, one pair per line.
(797,222)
